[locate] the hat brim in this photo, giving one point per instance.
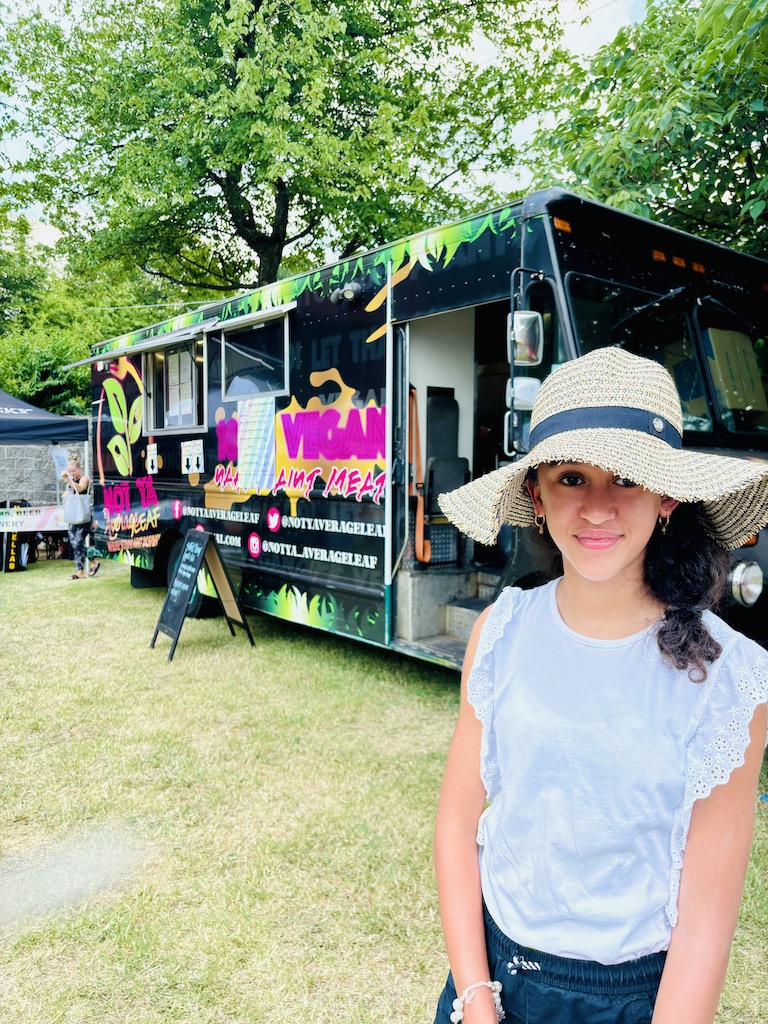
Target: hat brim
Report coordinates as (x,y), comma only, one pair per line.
(733,492)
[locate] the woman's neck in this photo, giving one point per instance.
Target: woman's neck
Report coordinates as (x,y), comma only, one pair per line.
(606,610)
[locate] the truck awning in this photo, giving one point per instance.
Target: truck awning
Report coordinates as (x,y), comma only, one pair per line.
(153,344)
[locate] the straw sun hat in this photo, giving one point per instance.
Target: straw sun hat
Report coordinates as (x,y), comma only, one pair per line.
(622,413)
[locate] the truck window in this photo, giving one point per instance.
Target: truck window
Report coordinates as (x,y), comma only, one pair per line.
(175,388)
(650,324)
(738,368)
(253,359)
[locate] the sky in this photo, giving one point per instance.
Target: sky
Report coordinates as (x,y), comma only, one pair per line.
(587,27)
(605,18)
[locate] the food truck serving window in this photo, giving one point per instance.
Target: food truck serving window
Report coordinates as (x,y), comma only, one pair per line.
(254,355)
(176,387)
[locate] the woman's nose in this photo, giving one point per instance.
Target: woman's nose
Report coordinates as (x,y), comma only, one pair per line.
(598,505)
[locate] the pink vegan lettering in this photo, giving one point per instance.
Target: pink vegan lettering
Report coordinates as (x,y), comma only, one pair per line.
(312,434)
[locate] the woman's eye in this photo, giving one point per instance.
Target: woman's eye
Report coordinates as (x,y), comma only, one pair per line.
(570,479)
(622,481)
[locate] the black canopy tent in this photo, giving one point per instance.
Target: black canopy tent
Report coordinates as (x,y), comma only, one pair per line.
(22,423)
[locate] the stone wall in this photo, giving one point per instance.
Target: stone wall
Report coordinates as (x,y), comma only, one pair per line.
(28,471)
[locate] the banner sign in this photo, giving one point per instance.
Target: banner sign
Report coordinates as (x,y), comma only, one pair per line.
(32,519)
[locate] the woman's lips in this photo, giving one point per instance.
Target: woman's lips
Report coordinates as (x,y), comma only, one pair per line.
(596,540)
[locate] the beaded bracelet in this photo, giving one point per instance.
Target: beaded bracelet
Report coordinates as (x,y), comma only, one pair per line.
(466,997)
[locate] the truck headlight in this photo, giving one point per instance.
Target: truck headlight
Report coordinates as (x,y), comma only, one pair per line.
(746,583)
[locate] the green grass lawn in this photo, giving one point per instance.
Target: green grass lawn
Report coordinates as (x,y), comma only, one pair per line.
(274,806)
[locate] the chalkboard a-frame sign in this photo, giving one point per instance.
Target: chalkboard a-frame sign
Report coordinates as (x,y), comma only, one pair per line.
(199,547)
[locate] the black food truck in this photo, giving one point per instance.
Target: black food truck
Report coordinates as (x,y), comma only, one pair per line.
(310,424)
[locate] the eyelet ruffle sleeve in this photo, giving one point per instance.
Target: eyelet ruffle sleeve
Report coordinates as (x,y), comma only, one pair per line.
(480,690)
(720,741)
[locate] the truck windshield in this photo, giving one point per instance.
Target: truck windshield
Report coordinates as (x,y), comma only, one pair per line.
(736,354)
(723,376)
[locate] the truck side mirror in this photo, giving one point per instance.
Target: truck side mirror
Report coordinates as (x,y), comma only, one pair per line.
(525,343)
(520,396)
(522,392)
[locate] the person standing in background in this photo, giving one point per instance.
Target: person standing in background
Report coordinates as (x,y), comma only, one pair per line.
(78,482)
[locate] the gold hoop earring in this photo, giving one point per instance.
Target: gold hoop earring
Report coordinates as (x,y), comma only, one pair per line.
(539,521)
(663,523)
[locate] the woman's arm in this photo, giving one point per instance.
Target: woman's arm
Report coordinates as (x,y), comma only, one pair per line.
(714,866)
(462,799)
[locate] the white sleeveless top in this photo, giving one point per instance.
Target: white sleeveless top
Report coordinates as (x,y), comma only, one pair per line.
(593,753)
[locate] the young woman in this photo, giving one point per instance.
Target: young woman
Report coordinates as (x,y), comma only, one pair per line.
(77,481)
(596,815)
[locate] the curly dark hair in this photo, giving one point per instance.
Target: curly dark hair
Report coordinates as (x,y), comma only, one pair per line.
(686,571)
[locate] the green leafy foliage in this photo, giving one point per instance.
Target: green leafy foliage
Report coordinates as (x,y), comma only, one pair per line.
(31,369)
(32,352)
(53,319)
(220,142)
(670,119)
(23,271)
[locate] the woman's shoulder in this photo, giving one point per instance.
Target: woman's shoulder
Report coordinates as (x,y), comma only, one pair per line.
(513,600)
(511,606)
(738,684)
(738,650)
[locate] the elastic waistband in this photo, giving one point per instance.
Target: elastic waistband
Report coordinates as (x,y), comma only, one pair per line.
(632,976)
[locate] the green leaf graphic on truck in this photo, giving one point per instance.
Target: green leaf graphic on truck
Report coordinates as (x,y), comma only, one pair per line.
(127,424)
(125,408)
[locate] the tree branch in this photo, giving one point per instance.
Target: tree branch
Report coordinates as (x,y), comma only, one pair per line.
(165,276)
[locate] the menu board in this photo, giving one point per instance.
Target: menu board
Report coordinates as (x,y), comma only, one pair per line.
(199,549)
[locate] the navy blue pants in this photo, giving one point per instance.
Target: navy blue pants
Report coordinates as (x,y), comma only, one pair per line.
(541,989)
